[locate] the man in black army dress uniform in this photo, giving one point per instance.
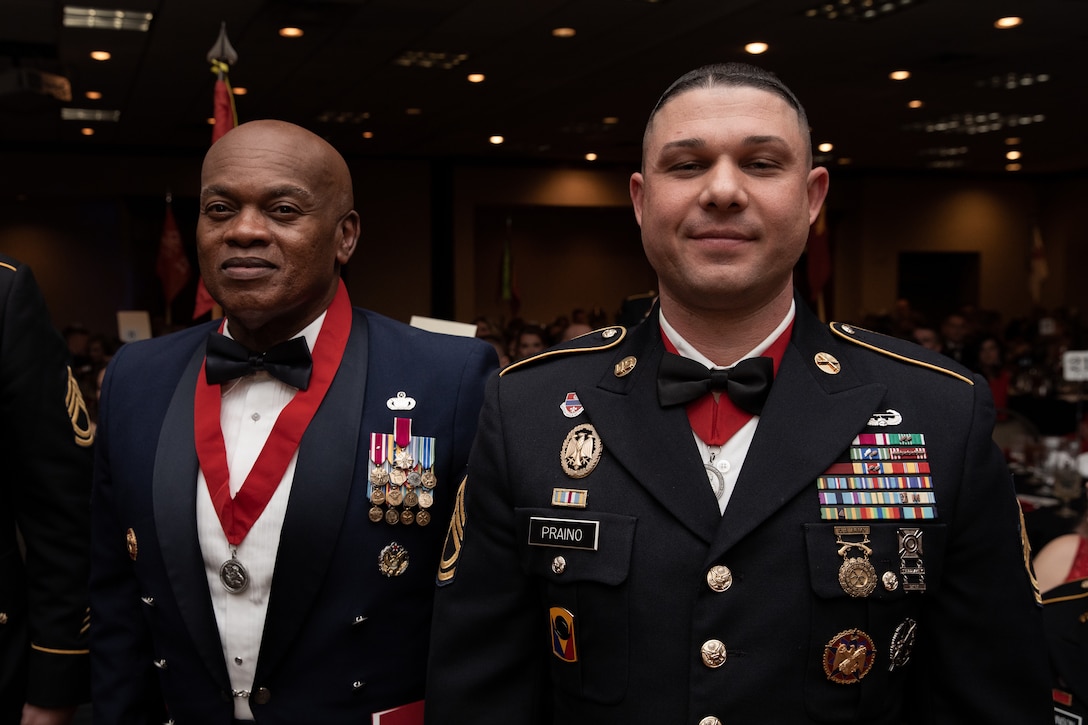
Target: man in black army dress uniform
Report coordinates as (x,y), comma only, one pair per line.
(644,540)
(45,491)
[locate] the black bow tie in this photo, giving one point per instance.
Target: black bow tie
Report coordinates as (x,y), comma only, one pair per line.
(226,359)
(681,380)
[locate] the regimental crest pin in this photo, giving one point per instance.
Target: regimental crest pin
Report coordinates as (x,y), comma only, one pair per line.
(130,543)
(849,656)
(393,560)
(581,451)
(571,406)
(563,642)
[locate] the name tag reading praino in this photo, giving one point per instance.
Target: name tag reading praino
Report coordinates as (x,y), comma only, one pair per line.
(566,533)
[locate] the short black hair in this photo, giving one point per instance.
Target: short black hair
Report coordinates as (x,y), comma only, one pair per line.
(729,75)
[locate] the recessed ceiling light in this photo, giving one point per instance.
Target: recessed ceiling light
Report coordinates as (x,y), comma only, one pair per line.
(430,59)
(825,147)
(915,104)
(845,161)
(291,32)
(211,121)
(1013,167)
(100,55)
(1008,22)
(899,75)
(1012,155)
(89,114)
(413,111)
(610,120)
(756,48)
(239,90)
(591,156)
(368,134)
(563,32)
(496,140)
(103,19)
(93,95)
(87,131)
(1012,141)
(476,77)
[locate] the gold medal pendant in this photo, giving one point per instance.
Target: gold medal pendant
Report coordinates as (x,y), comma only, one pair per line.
(857,577)
(233,575)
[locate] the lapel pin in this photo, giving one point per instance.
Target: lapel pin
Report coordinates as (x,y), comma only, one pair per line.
(625,366)
(827,363)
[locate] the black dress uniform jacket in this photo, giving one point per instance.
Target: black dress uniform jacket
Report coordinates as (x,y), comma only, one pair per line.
(611,628)
(1065,618)
(342,639)
(45,444)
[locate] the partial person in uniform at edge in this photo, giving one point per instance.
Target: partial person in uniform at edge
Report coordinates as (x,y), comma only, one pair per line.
(45,513)
(270,495)
(1062,568)
(649,534)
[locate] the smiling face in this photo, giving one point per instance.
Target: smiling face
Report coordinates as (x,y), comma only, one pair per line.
(276,223)
(725,199)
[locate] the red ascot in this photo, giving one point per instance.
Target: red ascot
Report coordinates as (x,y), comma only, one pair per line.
(238,514)
(714,417)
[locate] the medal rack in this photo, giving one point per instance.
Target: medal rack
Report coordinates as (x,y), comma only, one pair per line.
(401,476)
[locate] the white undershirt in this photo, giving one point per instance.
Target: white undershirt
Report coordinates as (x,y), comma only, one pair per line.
(250,407)
(727,459)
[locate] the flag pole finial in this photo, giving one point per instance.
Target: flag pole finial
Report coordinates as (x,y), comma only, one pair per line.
(223,51)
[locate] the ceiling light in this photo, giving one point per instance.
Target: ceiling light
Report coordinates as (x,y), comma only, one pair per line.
(1012,155)
(591,156)
(915,104)
(610,120)
(413,111)
(239,90)
(89,114)
(291,32)
(825,147)
(563,32)
(368,134)
(476,77)
(756,48)
(100,55)
(87,131)
(899,75)
(430,59)
(1009,22)
(1013,167)
(93,95)
(102,19)
(211,121)
(1012,141)
(845,161)
(496,140)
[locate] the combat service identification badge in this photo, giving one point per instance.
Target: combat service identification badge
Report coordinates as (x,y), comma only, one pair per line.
(563,645)
(581,451)
(849,656)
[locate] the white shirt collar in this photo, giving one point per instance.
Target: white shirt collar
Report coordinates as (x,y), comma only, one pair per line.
(686,349)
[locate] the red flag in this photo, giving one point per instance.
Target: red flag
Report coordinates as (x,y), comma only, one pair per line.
(204,302)
(226,118)
(819,257)
(225,115)
(172,265)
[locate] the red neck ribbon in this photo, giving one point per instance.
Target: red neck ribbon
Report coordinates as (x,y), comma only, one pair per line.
(237,515)
(715,421)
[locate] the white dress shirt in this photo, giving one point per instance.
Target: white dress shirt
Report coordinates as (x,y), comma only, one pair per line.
(726,459)
(250,407)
